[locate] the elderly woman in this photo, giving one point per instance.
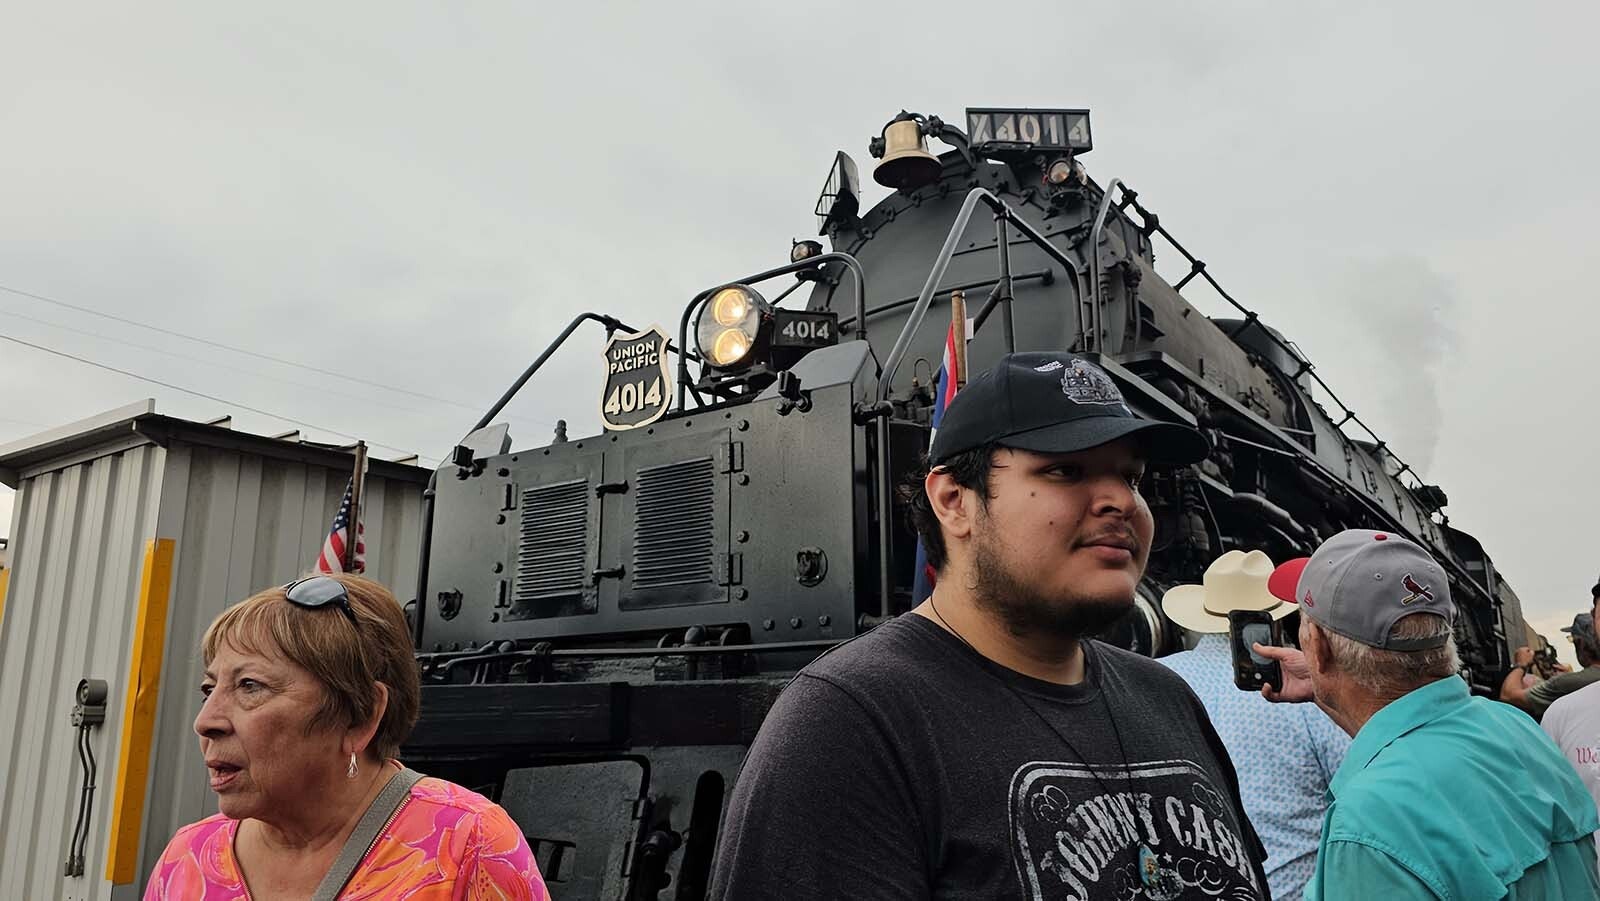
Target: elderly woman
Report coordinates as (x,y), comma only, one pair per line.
(309,691)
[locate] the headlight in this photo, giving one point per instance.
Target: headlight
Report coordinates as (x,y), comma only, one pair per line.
(729,325)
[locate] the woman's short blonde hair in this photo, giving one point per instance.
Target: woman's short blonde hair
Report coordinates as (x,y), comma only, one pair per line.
(347,659)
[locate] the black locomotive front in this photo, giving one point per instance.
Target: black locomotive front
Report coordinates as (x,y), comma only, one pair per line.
(602,623)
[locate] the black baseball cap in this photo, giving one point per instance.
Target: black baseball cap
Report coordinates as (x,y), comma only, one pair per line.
(1056,403)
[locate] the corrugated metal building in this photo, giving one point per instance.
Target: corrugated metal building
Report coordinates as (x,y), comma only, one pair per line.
(130,532)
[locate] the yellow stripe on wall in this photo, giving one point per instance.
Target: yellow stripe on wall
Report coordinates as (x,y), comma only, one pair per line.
(5,579)
(139,713)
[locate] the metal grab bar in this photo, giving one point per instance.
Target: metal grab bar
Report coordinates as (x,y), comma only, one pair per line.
(1003,213)
(1095,235)
(810,263)
(942,262)
(612,324)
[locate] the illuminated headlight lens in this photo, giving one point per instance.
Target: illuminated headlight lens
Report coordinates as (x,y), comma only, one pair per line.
(1059,173)
(729,326)
(730,348)
(731,306)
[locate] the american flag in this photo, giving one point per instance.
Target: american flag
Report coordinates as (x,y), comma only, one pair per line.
(331,560)
(949,380)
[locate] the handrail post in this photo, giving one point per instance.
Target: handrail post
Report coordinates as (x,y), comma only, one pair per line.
(1002,288)
(1094,260)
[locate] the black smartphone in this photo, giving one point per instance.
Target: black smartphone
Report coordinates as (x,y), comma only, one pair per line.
(1251,670)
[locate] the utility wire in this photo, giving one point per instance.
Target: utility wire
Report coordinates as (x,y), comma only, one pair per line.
(238,350)
(321,389)
(210,397)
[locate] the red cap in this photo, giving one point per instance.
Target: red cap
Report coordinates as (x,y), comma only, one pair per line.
(1286,578)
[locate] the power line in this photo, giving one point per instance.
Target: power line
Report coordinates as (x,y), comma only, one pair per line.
(323,389)
(238,350)
(200,394)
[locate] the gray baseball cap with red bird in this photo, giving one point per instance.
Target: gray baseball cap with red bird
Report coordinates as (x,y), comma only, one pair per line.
(1359,583)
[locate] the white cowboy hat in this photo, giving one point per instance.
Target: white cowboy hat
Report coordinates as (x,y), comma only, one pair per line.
(1234,581)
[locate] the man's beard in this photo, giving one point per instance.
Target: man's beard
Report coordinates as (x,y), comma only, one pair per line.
(1025,612)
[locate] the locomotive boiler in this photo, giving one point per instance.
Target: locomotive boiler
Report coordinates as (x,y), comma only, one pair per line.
(603,622)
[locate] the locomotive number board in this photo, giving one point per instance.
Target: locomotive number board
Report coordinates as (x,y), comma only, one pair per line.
(804,328)
(1043,129)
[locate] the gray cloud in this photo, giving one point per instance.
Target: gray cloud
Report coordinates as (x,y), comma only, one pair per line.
(426,194)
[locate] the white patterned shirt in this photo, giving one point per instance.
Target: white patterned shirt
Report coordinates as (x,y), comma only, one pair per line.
(1285,755)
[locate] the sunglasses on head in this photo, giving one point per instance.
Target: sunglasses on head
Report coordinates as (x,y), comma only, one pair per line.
(315,592)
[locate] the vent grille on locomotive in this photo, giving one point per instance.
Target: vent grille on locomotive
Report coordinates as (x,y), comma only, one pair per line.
(553,547)
(673,532)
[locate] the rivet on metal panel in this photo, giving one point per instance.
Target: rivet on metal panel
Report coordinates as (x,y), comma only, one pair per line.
(767,625)
(744,479)
(500,520)
(742,537)
(741,593)
(499,567)
(824,620)
(502,472)
(744,425)
(795,622)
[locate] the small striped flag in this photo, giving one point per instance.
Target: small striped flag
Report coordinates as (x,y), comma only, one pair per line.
(331,559)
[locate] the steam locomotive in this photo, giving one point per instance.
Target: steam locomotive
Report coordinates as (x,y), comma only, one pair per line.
(602,623)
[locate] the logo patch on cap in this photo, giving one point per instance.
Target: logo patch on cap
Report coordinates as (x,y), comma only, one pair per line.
(1418,590)
(1307,601)
(1085,384)
(1051,366)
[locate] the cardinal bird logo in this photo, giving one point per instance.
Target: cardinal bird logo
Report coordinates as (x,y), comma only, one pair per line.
(1418,590)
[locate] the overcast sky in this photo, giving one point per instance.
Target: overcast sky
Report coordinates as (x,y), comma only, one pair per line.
(421,195)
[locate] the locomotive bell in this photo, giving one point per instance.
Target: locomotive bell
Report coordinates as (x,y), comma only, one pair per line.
(907,164)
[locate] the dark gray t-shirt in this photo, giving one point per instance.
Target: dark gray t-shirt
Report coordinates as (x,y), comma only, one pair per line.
(902,766)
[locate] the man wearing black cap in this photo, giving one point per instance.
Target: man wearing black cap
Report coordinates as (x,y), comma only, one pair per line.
(1441,795)
(982,746)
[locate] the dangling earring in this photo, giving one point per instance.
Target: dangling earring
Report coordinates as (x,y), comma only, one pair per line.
(351,772)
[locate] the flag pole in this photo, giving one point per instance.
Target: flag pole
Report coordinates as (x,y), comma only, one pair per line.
(352,528)
(958,325)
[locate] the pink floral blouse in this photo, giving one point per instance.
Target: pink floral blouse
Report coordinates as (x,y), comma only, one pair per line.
(445,843)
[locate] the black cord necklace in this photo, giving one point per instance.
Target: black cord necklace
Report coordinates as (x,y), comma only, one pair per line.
(1127,770)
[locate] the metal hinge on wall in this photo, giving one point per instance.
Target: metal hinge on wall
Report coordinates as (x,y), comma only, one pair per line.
(730,457)
(732,570)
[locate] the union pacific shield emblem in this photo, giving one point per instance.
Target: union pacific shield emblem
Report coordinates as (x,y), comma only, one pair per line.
(638,387)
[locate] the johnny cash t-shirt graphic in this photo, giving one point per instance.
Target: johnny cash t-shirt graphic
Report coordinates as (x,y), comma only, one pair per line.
(1158,831)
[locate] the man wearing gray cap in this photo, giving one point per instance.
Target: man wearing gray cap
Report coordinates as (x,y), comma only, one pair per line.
(983,745)
(1442,795)
(1536,699)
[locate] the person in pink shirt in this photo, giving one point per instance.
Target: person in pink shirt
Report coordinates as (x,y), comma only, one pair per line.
(309,691)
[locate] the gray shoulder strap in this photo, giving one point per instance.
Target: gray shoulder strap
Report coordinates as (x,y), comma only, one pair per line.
(372,822)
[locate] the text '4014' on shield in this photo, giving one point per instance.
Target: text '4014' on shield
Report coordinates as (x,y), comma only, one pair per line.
(638,387)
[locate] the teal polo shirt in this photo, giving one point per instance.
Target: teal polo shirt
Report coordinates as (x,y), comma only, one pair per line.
(1444,795)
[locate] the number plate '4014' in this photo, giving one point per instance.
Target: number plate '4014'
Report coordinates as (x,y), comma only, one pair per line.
(1040,129)
(803,328)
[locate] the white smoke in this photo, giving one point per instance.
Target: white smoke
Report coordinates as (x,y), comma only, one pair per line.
(1389,330)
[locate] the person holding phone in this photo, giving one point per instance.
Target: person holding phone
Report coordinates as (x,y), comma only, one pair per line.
(1442,794)
(1285,754)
